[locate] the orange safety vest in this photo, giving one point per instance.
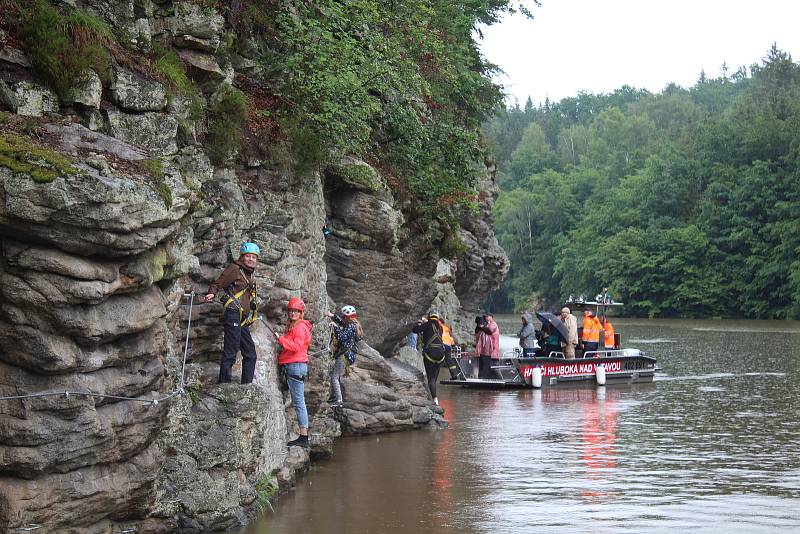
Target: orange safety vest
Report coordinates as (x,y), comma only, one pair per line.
(591,329)
(608,339)
(447,335)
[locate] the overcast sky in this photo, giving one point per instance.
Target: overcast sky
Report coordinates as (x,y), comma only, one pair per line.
(599,45)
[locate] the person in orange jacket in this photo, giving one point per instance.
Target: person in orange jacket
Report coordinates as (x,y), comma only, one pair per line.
(608,336)
(591,331)
(293,358)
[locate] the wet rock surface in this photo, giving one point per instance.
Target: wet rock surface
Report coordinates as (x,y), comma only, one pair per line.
(97,268)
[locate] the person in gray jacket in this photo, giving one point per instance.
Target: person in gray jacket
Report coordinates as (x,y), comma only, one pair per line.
(527,336)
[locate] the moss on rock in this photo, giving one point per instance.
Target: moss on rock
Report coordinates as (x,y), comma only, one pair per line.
(21,156)
(360,175)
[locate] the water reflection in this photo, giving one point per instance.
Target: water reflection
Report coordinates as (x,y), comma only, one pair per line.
(711,446)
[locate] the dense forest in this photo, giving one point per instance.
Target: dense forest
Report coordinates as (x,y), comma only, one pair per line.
(684,203)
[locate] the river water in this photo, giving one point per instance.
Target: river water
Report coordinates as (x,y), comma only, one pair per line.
(713,445)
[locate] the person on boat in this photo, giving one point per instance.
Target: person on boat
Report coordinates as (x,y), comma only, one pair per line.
(484,347)
(527,335)
(571,323)
(552,340)
(608,332)
(293,359)
(239,296)
(347,333)
(495,333)
(591,331)
(434,349)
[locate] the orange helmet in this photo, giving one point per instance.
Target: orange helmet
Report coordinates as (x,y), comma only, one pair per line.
(296,303)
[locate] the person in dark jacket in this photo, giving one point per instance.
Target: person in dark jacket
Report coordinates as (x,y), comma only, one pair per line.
(237,282)
(434,350)
(347,331)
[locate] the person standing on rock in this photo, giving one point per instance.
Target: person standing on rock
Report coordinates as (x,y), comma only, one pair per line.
(238,283)
(435,350)
(293,358)
(347,331)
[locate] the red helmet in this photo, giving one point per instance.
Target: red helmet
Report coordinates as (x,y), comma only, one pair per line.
(296,303)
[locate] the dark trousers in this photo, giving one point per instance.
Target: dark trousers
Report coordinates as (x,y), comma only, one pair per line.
(237,338)
(432,374)
(485,366)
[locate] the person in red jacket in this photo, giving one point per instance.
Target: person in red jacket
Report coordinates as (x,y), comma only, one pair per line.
(294,360)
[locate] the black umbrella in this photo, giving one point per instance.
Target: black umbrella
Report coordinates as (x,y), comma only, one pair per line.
(561,328)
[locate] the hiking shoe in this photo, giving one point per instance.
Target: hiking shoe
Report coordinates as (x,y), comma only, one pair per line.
(337,404)
(436,401)
(301,441)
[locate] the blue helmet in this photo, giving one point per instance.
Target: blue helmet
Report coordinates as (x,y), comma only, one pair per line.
(249,248)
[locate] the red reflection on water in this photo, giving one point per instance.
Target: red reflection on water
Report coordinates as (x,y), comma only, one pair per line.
(599,435)
(442,479)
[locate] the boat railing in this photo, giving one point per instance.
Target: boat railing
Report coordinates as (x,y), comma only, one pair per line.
(608,353)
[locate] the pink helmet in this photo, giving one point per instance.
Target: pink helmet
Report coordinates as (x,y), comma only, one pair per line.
(296,303)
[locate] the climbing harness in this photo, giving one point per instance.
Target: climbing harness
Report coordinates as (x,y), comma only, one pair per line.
(234,299)
(430,344)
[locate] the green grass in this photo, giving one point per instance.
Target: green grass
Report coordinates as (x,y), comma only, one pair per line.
(227,113)
(170,66)
(62,45)
(265,490)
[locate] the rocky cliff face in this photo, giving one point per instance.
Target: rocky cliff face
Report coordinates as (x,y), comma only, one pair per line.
(111,214)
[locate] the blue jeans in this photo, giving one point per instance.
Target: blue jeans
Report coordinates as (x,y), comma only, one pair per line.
(411,340)
(297,390)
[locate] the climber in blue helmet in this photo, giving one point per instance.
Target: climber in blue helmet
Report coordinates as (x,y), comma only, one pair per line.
(239,311)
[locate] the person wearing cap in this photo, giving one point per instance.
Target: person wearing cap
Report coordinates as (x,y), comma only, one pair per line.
(238,284)
(293,359)
(591,331)
(347,333)
(571,323)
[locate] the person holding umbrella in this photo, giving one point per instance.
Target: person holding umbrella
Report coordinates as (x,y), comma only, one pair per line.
(554,331)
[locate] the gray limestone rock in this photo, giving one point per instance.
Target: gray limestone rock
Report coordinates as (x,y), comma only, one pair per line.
(197,21)
(154,132)
(133,92)
(87,213)
(28,98)
(88,91)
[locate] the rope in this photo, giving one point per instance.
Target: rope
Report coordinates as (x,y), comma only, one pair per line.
(152,402)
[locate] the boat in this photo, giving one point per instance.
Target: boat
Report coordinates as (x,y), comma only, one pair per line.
(601,367)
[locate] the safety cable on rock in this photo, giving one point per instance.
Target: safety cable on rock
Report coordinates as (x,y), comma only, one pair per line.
(152,402)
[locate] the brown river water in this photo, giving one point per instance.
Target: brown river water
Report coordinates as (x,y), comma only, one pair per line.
(713,445)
